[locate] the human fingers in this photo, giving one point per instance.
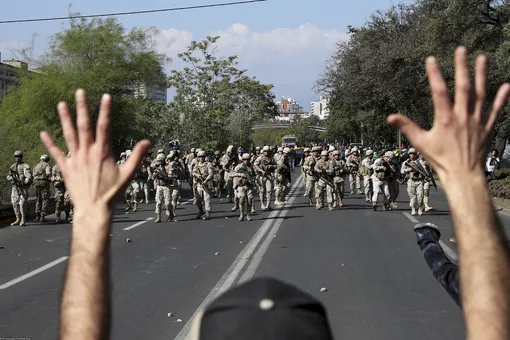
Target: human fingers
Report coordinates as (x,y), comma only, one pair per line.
(480,86)
(67,127)
(103,135)
(499,102)
(83,120)
(409,128)
(56,153)
(439,91)
(462,83)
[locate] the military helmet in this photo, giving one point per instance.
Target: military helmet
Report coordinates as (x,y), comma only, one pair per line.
(336,152)
(128,153)
(217,153)
(331,148)
(266,148)
(316,149)
(161,151)
(193,150)
(171,154)
(257,148)
(245,156)
(160,157)
(123,154)
(45,158)
(18,153)
(354,149)
(324,153)
(201,153)
(369,152)
(389,154)
(280,149)
(306,150)
(286,150)
(411,151)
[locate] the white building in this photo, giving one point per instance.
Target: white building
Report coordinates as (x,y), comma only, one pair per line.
(320,108)
(151,92)
(9,73)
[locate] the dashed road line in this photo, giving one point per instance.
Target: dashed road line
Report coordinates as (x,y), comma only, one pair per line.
(138,223)
(33,273)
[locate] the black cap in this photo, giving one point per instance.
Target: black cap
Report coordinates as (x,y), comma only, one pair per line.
(263,309)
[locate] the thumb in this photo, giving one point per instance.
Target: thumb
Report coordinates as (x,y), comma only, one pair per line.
(127,171)
(409,128)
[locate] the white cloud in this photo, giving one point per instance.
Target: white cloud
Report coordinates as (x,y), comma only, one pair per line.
(290,58)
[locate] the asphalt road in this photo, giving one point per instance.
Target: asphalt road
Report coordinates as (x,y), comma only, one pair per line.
(378,285)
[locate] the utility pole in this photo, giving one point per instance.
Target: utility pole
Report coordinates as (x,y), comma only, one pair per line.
(399,138)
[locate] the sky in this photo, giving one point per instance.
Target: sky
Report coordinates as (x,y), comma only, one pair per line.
(281,42)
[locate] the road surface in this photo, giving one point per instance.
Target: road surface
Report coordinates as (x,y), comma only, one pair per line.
(378,285)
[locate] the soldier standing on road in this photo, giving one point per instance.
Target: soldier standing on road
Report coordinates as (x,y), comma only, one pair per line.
(353,163)
(392,175)
(21,177)
(42,176)
(366,171)
(265,166)
(379,181)
(426,184)
(323,169)
(415,182)
(339,173)
(217,181)
(60,192)
(311,175)
(283,183)
(203,174)
(161,179)
(306,154)
(244,183)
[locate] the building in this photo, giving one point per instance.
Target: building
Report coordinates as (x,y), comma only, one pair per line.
(9,73)
(151,92)
(288,110)
(320,108)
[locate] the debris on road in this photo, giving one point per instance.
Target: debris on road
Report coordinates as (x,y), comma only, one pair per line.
(217,253)
(179,320)
(169,315)
(240,241)
(128,240)
(324,289)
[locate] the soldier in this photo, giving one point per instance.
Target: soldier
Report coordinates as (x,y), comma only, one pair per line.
(147,179)
(392,175)
(283,180)
(133,189)
(339,173)
(366,171)
(426,185)
(203,174)
(162,181)
(42,176)
(217,182)
(265,167)
(353,163)
(188,161)
(324,171)
(21,177)
(415,182)
(60,194)
(379,180)
(122,159)
(306,154)
(311,176)
(228,161)
(244,183)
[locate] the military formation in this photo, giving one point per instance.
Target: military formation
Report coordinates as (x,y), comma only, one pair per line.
(238,176)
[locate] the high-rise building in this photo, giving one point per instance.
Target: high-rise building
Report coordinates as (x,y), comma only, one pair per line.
(320,108)
(150,92)
(288,109)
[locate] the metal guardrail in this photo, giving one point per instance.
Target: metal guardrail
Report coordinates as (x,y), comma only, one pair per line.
(284,126)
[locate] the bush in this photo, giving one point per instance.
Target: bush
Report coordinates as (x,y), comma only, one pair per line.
(502,173)
(500,188)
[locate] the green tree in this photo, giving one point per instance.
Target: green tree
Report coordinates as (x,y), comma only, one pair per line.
(210,91)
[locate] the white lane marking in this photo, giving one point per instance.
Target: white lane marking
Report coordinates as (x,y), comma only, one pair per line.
(448,251)
(33,272)
(234,270)
(257,258)
(411,217)
(138,223)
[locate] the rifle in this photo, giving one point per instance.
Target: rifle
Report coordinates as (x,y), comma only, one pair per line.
(424,173)
(17,182)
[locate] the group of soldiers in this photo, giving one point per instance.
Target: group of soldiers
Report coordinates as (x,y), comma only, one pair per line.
(41,176)
(327,170)
(238,176)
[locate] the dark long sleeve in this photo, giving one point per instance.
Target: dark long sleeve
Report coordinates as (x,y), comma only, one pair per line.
(443,269)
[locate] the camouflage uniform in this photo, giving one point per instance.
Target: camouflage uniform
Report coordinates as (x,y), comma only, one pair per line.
(366,171)
(311,176)
(282,178)
(323,168)
(203,174)
(414,183)
(42,176)
(265,167)
(426,185)
(380,183)
(60,192)
(339,172)
(353,163)
(244,183)
(21,177)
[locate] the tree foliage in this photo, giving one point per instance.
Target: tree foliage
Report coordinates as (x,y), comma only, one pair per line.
(216,100)
(380,69)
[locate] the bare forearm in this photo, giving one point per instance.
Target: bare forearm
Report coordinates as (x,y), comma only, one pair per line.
(485,259)
(85,309)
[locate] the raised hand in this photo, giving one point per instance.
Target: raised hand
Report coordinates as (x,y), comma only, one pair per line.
(457,143)
(91,175)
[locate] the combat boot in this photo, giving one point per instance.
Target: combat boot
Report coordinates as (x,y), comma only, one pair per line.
(420,212)
(248,217)
(318,205)
(393,205)
(352,192)
(241,215)
(360,192)
(135,206)
(207,215)
(37,217)
(18,220)
(43,219)
(277,202)
(199,214)
(340,204)
(169,214)
(428,208)
(374,206)
(22,222)
(310,203)
(330,207)
(158,218)
(413,211)
(252,211)
(387,207)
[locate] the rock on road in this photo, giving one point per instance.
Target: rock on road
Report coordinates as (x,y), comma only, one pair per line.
(377,283)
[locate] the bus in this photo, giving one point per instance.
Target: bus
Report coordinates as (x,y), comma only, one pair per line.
(289,140)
